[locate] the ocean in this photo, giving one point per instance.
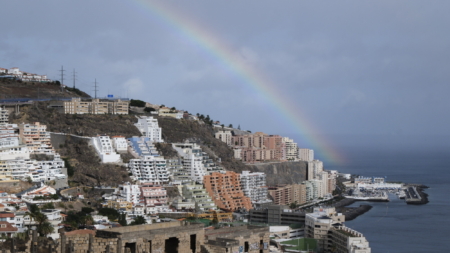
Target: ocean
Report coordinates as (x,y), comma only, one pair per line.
(395,226)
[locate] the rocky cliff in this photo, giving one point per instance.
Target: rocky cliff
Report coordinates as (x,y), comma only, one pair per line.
(282,173)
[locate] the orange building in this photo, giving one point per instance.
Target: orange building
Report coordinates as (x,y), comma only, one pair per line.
(226,191)
(287,194)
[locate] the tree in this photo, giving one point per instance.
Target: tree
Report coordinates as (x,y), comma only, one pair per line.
(48,206)
(45,228)
(123,219)
(112,214)
(87,210)
(139,220)
(137,103)
(222,126)
(149,109)
(230,125)
(239,127)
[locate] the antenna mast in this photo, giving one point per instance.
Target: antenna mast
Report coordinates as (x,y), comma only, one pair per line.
(95,88)
(74,78)
(62,77)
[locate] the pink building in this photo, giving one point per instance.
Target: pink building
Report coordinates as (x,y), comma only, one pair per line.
(153,195)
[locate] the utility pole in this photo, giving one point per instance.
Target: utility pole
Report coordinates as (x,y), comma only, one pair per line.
(95,88)
(62,77)
(74,78)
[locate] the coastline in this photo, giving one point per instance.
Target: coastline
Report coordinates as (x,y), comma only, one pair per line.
(351,213)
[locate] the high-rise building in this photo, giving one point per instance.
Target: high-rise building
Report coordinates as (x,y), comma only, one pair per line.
(149,169)
(305,154)
(254,186)
(36,138)
(226,191)
(288,194)
(291,149)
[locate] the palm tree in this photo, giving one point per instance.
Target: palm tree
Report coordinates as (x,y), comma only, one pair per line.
(45,228)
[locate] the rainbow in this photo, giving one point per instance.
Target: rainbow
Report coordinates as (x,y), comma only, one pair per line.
(210,44)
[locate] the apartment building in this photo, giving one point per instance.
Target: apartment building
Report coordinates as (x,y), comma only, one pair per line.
(9,135)
(142,146)
(36,138)
(177,172)
(288,194)
(199,195)
(326,226)
(129,192)
(258,147)
(346,240)
(318,223)
(192,160)
(226,191)
(120,144)
(276,215)
(254,186)
(149,169)
(315,168)
(291,149)
(305,154)
(153,195)
(105,149)
(4,116)
(95,106)
(149,128)
(224,136)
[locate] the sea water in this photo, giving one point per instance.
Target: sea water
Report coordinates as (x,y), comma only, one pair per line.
(395,226)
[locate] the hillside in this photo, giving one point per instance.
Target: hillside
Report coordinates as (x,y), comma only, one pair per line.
(18,89)
(89,171)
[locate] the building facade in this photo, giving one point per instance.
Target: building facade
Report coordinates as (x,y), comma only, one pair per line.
(149,128)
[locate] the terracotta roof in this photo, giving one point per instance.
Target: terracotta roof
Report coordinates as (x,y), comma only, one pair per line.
(6,228)
(5,215)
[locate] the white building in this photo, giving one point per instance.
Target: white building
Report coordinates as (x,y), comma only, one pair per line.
(315,167)
(224,136)
(149,127)
(305,154)
(254,186)
(149,169)
(129,192)
(120,144)
(192,160)
(291,149)
(9,136)
(103,146)
(4,116)
(199,195)
(52,169)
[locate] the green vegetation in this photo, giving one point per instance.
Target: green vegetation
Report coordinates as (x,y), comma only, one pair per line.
(43,226)
(149,109)
(47,197)
(137,103)
(111,213)
(139,220)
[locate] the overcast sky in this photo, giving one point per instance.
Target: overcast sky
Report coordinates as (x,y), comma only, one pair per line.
(349,67)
